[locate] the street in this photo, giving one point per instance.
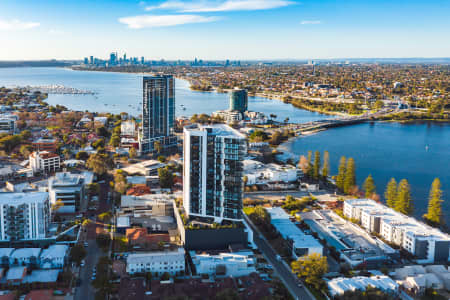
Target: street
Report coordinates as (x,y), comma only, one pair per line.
(281,268)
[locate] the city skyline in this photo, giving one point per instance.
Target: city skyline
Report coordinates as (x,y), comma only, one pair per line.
(225,29)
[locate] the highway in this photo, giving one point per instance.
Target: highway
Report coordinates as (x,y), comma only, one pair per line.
(289,279)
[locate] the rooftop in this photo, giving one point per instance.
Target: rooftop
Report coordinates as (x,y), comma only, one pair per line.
(62,179)
(217,130)
(21,198)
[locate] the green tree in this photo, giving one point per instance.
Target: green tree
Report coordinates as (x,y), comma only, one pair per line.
(404,202)
(120,182)
(311,267)
(434,213)
(132,152)
(157,146)
(165,177)
(369,186)
(25,150)
(326,165)
(82,155)
(258,136)
(341,173)
(99,163)
(350,176)
(77,254)
(390,195)
(316,167)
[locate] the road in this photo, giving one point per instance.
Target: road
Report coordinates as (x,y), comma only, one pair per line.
(281,268)
(86,291)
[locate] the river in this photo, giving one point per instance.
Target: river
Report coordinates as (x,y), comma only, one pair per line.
(384,150)
(418,152)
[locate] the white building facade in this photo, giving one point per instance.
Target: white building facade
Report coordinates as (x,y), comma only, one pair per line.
(24,216)
(157,263)
(428,244)
(44,162)
(67,189)
(224,264)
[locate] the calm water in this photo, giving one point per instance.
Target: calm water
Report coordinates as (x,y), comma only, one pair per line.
(384,150)
(388,150)
(122,92)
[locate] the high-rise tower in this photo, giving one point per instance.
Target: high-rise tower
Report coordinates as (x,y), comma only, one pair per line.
(213,171)
(158,113)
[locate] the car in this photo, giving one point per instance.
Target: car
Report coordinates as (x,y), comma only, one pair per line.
(86,244)
(82,263)
(93,277)
(278,257)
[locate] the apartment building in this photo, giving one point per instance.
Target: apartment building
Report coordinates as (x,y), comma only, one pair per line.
(157,263)
(428,244)
(44,162)
(24,216)
(213,171)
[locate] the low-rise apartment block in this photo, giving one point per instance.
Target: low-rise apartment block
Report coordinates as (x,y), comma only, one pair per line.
(428,244)
(157,263)
(301,243)
(224,264)
(44,162)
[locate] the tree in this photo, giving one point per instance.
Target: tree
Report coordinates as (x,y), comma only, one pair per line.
(303,164)
(101,131)
(316,167)
(404,202)
(434,213)
(132,152)
(25,150)
(103,240)
(157,146)
(326,165)
(350,176)
(115,140)
(311,267)
(67,153)
(99,163)
(341,173)
(82,155)
(77,254)
(369,186)
(93,189)
(165,177)
(390,195)
(258,136)
(120,182)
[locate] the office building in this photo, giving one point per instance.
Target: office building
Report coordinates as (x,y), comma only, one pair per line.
(24,216)
(428,244)
(158,113)
(213,171)
(239,100)
(44,162)
(67,191)
(157,263)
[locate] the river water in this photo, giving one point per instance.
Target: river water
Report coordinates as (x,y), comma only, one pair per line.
(418,152)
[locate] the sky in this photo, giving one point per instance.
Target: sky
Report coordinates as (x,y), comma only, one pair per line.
(224,29)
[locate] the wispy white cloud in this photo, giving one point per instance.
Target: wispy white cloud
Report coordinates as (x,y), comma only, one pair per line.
(148,21)
(311,22)
(55,31)
(219,6)
(17,25)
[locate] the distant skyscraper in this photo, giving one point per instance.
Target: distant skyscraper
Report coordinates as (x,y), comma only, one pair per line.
(213,171)
(91,60)
(239,100)
(113,58)
(158,112)
(124,57)
(86,60)
(142,60)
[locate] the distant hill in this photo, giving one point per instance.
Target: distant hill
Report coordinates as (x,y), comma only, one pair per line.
(37,63)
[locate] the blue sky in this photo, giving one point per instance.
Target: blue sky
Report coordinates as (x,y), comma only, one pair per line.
(224,29)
